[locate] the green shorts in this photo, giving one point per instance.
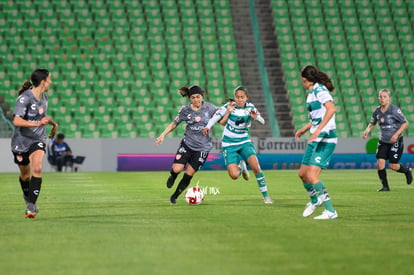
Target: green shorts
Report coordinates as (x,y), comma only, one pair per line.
(231,153)
(318,154)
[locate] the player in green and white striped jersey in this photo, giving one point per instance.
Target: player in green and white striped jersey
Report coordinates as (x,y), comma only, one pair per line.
(236,117)
(322,141)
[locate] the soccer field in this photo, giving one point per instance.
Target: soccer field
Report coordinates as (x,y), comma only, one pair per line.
(123,223)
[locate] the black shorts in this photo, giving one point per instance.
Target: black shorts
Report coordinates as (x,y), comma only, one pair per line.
(185,155)
(22,158)
(390,151)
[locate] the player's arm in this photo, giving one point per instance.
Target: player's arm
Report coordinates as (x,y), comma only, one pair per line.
(21,122)
(302,130)
(398,133)
(225,117)
(256,116)
(167,130)
(221,115)
(367,130)
(55,126)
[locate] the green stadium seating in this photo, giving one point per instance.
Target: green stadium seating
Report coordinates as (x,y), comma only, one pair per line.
(363,45)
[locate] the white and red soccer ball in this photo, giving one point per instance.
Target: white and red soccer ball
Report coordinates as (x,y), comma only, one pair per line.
(194,196)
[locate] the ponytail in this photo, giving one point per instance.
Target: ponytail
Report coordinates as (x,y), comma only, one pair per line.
(26,85)
(36,78)
(312,74)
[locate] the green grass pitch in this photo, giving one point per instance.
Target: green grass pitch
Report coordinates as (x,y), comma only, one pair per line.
(122,223)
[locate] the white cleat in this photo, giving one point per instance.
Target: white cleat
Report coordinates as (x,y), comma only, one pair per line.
(267,200)
(310,208)
(243,170)
(327,215)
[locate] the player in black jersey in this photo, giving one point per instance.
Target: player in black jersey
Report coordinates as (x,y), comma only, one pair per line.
(194,147)
(392,124)
(28,143)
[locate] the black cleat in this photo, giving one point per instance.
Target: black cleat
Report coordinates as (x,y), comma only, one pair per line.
(173,200)
(409,176)
(384,189)
(170,182)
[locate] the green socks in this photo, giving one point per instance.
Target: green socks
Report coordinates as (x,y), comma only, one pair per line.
(311,192)
(260,178)
(324,196)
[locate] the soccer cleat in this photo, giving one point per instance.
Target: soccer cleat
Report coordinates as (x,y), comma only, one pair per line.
(170,182)
(327,215)
(409,176)
(31,211)
(310,208)
(243,170)
(384,189)
(173,200)
(30,215)
(267,200)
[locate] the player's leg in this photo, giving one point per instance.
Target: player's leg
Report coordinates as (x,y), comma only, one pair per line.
(248,152)
(24,179)
(320,160)
(315,202)
(36,161)
(195,161)
(382,155)
(231,160)
(309,187)
(175,170)
(394,160)
(22,160)
(180,159)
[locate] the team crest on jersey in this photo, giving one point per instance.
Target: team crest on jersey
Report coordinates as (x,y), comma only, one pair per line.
(197,119)
(41,110)
(19,158)
(382,120)
(178,156)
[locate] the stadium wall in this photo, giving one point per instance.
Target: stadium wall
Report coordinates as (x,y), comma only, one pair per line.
(142,154)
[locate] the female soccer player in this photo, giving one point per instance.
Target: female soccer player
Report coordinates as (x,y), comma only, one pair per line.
(28,143)
(392,123)
(236,116)
(194,147)
(322,141)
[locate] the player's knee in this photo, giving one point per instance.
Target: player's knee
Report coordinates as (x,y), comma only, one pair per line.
(394,166)
(233,174)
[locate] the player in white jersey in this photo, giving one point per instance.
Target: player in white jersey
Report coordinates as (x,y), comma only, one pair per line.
(322,141)
(194,147)
(236,117)
(28,143)
(392,123)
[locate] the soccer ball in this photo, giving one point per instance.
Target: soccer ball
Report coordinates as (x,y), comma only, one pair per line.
(194,196)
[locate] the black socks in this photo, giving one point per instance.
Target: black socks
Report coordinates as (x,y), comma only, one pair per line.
(25,186)
(185,181)
(34,189)
(383,177)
